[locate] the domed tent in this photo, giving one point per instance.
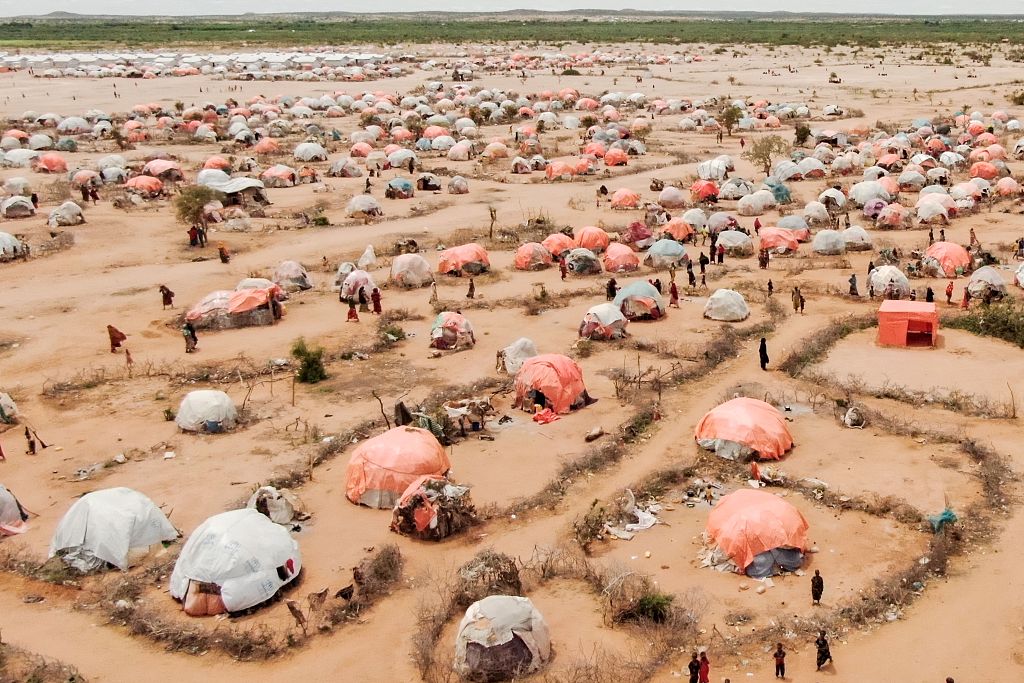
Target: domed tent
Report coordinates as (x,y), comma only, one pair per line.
(759,532)
(103,527)
(624,198)
(603,321)
(593,238)
(532,256)
(829,242)
(778,240)
(947,259)
(515,354)
(882,276)
(206,409)
(353,282)
(796,225)
(666,253)
(12,515)
(291,276)
(744,427)
(639,300)
(382,467)
(66,214)
(619,258)
(552,380)
(450,331)
(501,637)
(234,561)
(411,270)
(17,207)
(582,262)
(907,323)
(986,281)
(726,305)
(363,206)
(471,259)
(223,309)
(736,243)
(310,151)
(10,246)
(856,238)
(558,244)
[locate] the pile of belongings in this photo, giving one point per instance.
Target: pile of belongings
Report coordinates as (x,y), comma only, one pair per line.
(433,508)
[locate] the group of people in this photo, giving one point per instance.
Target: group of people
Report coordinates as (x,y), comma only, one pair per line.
(364,303)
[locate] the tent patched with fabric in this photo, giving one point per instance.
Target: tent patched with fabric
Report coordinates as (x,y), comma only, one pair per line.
(234,561)
(619,258)
(726,305)
(907,323)
(224,309)
(433,508)
(383,467)
(471,259)
(744,427)
(532,256)
(640,300)
(411,270)
(13,516)
(291,276)
(451,330)
(759,531)
(949,259)
(553,381)
(603,321)
(500,638)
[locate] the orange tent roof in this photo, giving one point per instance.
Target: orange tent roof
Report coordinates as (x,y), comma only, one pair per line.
(532,256)
(51,162)
(619,258)
(896,318)
(145,183)
(558,377)
(773,238)
(753,423)
(748,522)
(266,146)
(383,467)
(624,198)
(592,238)
(678,228)
(454,258)
(950,256)
(558,242)
(615,157)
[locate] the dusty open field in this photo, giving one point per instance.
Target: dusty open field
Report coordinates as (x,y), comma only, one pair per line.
(89,407)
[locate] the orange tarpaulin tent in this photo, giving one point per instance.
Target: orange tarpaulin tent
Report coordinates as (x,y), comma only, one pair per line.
(383,467)
(755,424)
(455,259)
(748,522)
(906,323)
(558,377)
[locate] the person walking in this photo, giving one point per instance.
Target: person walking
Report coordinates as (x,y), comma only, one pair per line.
(30,442)
(433,293)
(721,254)
(762,352)
(117,337)
(223,253)
(166,296)
(871,267)
(743,143)
(691,279)
(375,299)
(780,661)
(795,298)
(705,669)
(802,302)
(694,668)
(611,288)
(563,269)
(188,331)
(929,295)
(824,653)
(703,262)
(364,302)
(771,288)
(931,236)
(673,293)
(949,293)
(853,284)
(965,303)
(471,293)
(353,315)
(817,587)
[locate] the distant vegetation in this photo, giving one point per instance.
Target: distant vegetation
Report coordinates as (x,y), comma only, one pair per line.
(83,32)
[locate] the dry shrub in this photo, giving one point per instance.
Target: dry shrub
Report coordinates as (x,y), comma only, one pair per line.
(376,575)
(394,315)
(19,665)
(488,573)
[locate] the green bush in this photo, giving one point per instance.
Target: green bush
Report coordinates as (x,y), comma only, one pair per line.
(655,607)
(311,362)
(1003,321)
(571,72)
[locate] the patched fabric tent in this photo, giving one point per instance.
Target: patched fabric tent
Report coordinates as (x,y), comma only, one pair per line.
(744,427)
(736,243)
(856,238)
(752,526)
(433,508)
(291,276)
(603,321)
(986,281)
(382,467)
(225,309)
(640,300)
(581,261)
(354,281)
(778,240)
(17,207)
(948,259)
(206,409)
(363,205)
(471,259)
(558,244)
(501,637)
(666,253)
(624,198)
(411,270)
(13,516)
(103,527)
(553,378)
(619,258)
(532,256)
(234,561)
(10,246)
(882,276)
(907,323)
(516,353)
(593,238)
(829,243)
(310,151)
(726,305)
(68,213)
(450,331)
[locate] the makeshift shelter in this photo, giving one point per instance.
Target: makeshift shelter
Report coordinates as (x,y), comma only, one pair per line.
(603,321)
(234,561)
(104,527)
(907,323)
(10,246)
(619,258)
(353,282)
(515,354)
(291,276)
(624,198)
(553,381)
(581,261)
(742,428)
(856,238)
(829,243)
(224,309)
(411,270)
(281,506)
(451,331)
(68,213)
(947,259)
(17,207)
(726,305)
(432,508)
(471,259)
(666,253)
(986,282)
(13,516)
(882,276)
(532,256)
(501,637)
(310,151)
(8,408)
(593,238)
(759,532)
(736,243)
(383,467)
(640,300)
(206,410)
(778,240)
(558,244)
(363,206)
(399,188)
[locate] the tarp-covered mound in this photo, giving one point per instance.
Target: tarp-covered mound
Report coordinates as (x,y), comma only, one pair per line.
(411,270)
(532,256)
(727,305)
(501,637)
(469,258)
(603,321)
(986,281)
(66,214)
(779,240)
(451,330)
(736,243)
(384,466)
(755,528)
(883,276)
(234,561)
(744,427)
(553,381)
(224,309)
(206,409)
(13,517)
(433,508)
(103,527)
(640,300)
(291,276)
(582,261)
(829,243)
(666,253)
(949,259)
(516,353)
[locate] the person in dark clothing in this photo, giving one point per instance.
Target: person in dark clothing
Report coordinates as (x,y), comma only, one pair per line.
(563,267)
(657,285)
(188,331)
(817,587)
(771,287)
(780,661)
(694,668)
(193,236)
(871,266)
(762,352)
(611,289)
(471,293)
(94,195)
(853,285)
(703,262)
(223,253)
(35,200)
(201,234)
(824,653)
(85,193)
(691,278)
(929,295)
(166,296)
(721,254)
(30,441)
(363,301)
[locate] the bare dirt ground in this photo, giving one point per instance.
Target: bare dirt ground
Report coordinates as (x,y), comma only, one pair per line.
(90,408)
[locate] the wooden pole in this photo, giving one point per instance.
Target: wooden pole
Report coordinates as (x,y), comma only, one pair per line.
(293,391)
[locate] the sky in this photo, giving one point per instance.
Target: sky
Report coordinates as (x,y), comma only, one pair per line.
(10,8)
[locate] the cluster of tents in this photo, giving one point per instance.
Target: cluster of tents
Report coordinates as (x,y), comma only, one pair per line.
(254,301)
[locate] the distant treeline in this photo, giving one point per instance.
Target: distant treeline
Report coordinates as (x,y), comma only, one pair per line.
(82,33)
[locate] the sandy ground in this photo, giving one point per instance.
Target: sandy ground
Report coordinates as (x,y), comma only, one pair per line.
(55,309)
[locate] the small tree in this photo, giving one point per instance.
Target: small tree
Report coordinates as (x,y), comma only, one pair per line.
(730,117)
(801,134)
(763,150)
(188,205)
(311,362)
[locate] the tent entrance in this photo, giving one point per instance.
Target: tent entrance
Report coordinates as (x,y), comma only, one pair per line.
(920,333)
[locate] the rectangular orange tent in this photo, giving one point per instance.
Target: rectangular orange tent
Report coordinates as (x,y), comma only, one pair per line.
(907,323)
